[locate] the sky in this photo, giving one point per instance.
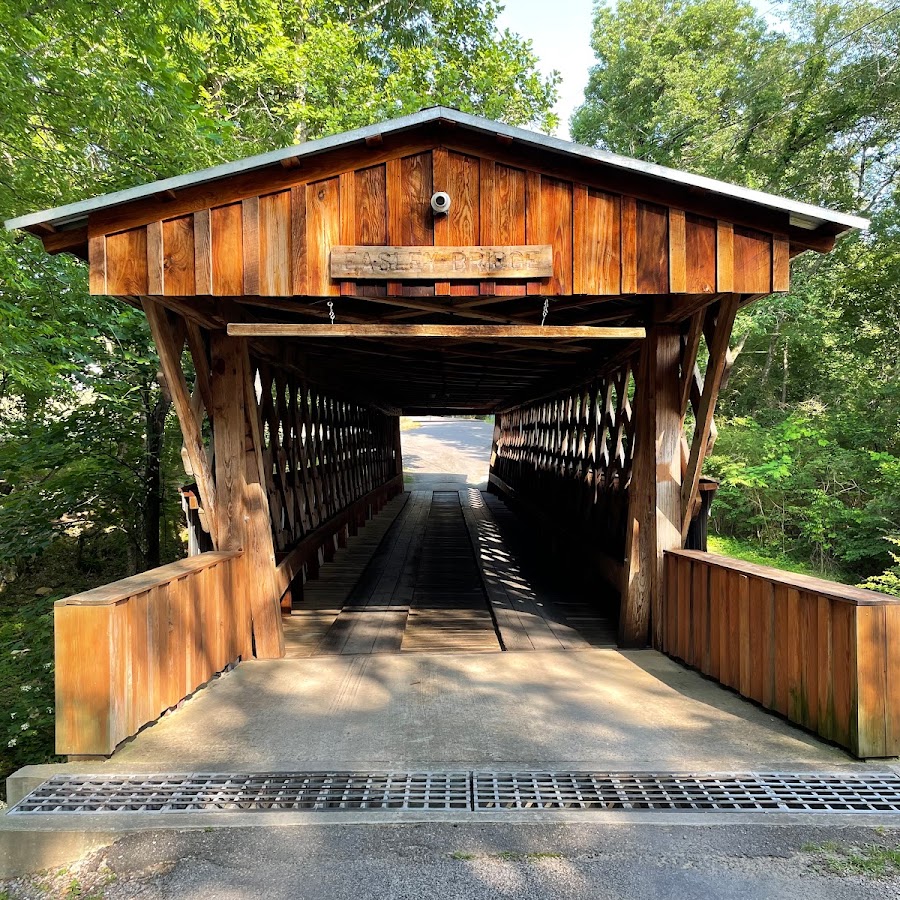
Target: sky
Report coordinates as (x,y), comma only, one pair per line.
(561,40)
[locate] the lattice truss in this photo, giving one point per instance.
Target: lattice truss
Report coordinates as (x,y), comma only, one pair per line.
(320,453)
(572,453)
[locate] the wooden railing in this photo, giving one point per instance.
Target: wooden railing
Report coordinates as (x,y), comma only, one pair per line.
(128,651)
(822,654)
(303,561)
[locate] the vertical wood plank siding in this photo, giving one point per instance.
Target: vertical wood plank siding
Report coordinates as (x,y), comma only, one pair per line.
(817,652)
(279,243)
(128,651)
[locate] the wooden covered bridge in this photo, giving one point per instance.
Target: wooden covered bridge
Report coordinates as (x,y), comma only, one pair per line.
(301,300)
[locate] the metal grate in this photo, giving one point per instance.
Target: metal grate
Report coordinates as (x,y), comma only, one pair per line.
(646,791)
(270,791)
(474,791)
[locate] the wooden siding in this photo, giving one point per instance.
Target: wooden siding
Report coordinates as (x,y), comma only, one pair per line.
(278,243)
(128,651)
(817,652)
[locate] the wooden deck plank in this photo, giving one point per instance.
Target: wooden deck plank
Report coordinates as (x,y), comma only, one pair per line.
(325,596)
(573,619)
(444,573)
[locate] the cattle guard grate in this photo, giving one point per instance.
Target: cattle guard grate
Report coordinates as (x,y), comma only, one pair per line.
(646,791)
(855,792)
(270,791)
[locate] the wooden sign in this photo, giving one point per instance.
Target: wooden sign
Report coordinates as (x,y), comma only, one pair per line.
(442,263)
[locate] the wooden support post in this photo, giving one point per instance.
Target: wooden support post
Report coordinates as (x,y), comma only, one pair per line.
(495,442)
(654,496)
(639,568)
(243,506)
(398,452)
(668,466)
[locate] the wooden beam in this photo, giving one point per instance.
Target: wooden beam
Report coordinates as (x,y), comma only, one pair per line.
(62,241)
(638,571)
(170,361)
(469,332)
(718,349)
(197,347)
(243,515)
(689,360)
(667,440)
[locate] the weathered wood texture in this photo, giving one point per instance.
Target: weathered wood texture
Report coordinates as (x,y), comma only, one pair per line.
(128,651)
(450,262)
(320,454)
(243,510)
(275,238)
(654,493)
(570,456)
(464,332)
(819,653)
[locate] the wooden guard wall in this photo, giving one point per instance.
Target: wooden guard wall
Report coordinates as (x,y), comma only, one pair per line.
(128,651)
(570,457)
(819,653)
(244,238)
(320,453)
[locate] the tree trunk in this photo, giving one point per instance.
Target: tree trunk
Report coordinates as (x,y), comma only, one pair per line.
(153,499)
(784,379)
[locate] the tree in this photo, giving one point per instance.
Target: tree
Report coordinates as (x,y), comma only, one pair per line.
(104,95)
(808,450)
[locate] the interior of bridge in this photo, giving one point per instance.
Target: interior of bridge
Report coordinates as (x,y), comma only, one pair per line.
(461,563)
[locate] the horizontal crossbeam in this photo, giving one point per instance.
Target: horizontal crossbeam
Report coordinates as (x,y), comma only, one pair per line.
(466,332)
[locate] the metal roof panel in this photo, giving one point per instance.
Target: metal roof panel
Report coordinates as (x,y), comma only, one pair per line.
(808,215)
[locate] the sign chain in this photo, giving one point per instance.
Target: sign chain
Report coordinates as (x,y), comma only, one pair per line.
(331,311)
(545,311)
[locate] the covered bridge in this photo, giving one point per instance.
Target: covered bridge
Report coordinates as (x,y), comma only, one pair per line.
(301,300)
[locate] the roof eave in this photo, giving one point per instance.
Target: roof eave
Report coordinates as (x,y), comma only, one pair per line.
(806,215)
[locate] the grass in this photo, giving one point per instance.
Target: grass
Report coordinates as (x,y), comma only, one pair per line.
(871,860)
(407,424)
(737,549)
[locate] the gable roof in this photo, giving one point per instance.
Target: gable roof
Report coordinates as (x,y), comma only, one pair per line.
(803,215)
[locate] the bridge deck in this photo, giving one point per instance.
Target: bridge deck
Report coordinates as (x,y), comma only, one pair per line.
(442,570)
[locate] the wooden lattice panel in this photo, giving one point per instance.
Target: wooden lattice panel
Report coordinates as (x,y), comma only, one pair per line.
(320,453)
(571,455)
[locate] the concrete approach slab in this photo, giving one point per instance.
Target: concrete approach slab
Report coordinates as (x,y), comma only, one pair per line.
(598,708)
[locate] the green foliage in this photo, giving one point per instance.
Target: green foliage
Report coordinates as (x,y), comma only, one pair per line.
(889,581)
(808,452)
(750,551)
(784,481)
(26,684)
(104,95)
